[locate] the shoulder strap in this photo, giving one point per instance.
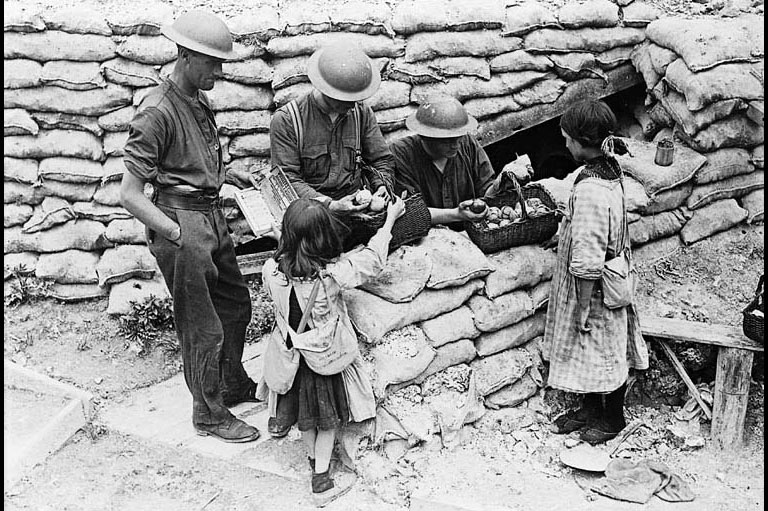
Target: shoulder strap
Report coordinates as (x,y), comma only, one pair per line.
(298,127)
(308,308)
(358,133)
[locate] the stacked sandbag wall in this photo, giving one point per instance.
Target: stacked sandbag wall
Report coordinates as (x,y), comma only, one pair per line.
(73,78)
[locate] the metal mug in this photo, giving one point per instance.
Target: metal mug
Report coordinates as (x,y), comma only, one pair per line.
(665,152)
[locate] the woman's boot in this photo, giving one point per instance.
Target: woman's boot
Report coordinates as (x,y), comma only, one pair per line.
(612,421)
(574,420)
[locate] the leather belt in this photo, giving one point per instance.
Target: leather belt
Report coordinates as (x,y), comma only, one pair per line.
(188,202)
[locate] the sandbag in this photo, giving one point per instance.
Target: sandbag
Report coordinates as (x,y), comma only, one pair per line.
(726,81)
(135,290)
(289,71)
(57,45)
(77,20)
(154,50)
(73,192)
(126,262)
(362,16)
(117,120)
(249,164)
(639,14)
(511,336)
(560,189)
(542,92)
(249,72)
(496,371)
(257,23)
(391,94)
(641,59)
(461,66)
(521,18)
(693,122)
(412,73)
(430,45)
(519,267)
(20,171)
(68,267)
(704,43)
(401,356)
(71,170)
(572,66)
(145,21)
(19,17)
(514,393)
(62,121)
(734,131)
(732,187)
(723,164)
(436,15)
(658,249)
(668,199)
(519,60)
(639,163)
(255,144)
(391,119)
(404,275)
(52,211)
(449,355)
(100,212)
(72,75)
(21,73)
(126,231)
(714,217)
(76,292)
(660,116)
(129,73)
(481,108)
(391,316)
(112,170)
(310,18)
(22,193)
(650,127)
(243,122)
(754,203)
(18,122)
(614,57)
(540,294)
(592,13)
(757,156)
(236,96)
(288,94)
(16,214)
(56,99)
(593,40)
(491,315)
(451,326)
(76,144)
(471,87)
(372,45)
(661,225)
(23,263)
(455,259)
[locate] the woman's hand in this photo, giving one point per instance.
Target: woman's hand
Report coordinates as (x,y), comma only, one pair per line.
(583,316)
(382,192)
(395,210)
(466,214)
(346,204)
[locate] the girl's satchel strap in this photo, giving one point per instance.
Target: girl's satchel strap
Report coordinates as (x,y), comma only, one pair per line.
(308,309)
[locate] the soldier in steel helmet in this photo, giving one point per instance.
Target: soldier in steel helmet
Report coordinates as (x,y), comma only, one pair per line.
(443,162)
(173,144)
(317,139)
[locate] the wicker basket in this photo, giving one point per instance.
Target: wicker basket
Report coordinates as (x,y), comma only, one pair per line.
(753,324)
(413,225)
(526,232)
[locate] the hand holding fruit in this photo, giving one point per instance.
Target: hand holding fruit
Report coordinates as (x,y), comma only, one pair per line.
(472,209)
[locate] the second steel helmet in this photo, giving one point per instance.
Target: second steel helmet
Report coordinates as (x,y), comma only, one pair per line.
(441,117)
(343,72)
(201,32)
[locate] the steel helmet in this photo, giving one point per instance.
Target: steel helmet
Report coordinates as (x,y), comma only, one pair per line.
(343,72)
(201,32)
(441,117)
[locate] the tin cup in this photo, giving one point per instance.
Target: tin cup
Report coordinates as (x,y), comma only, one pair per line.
(665,152)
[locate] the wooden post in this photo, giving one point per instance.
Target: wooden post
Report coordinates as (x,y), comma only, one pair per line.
(734,368)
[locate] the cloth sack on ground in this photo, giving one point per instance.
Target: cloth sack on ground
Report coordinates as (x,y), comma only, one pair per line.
(501,369)
(508,309)
(404,275)
(451,326)
(639,481)
(519,267)
(124,262)
(754,203)
(455,259)
(401,356)
(667,200)
(661,225)
(712,218)
(732,187)
(639,163)
(512,336)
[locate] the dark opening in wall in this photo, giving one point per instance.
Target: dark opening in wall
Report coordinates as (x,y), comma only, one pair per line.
(545,145)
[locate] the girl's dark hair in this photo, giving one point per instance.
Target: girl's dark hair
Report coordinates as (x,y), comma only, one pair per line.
(589,122)
(311,238)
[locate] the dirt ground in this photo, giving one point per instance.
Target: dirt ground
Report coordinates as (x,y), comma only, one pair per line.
(710,281)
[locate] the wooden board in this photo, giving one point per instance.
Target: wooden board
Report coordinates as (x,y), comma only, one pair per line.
(505,125)
(703,333)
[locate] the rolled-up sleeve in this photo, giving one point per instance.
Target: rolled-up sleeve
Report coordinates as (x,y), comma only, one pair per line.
(284,152)
(354,269)
(146,135)
(375,149)
(590,231)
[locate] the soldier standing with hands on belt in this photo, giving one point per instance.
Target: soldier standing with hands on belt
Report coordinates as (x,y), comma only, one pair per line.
(173,144)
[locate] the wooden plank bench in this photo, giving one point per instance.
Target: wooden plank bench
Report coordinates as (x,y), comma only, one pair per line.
(734,367)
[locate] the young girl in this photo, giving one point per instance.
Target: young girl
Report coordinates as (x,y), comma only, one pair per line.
(310,248)
(590,347)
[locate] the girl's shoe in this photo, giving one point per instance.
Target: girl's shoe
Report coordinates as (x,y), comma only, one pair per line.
(571,421)
(326,489)
(600,432)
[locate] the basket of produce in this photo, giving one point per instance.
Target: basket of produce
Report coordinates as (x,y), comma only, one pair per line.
(413,225)
(753,315)
(521,216)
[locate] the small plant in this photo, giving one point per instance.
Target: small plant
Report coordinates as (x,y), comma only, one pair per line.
(262,315)
(26,288)
(146,322)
